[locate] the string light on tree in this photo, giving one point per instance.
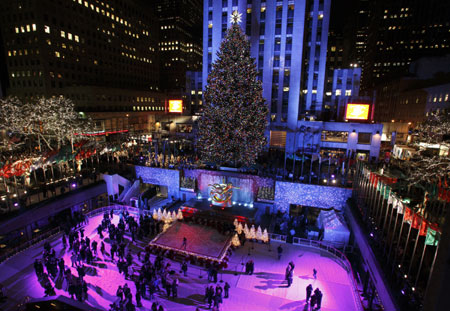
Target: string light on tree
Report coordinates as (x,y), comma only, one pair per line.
(231,130)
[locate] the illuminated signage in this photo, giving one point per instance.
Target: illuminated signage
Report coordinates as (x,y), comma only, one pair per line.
(357,112)
(176,105)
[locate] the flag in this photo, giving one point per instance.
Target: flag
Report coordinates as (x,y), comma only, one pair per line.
(408,217)
(419,222)
(391,199)
(387,191)
(432,237)
(400,207)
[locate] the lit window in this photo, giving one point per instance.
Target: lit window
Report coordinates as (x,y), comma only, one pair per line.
(193,92)
(47,29)
(86,4)
(33,27)
(338,92)
(22,29)
(57,54)
(286,89)
(348,92)
(17,30)
(9,53)
(446,97)
(28,28)
(69,36)
(77,39)
(63,34)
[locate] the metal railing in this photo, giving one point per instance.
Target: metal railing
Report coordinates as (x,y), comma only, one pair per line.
(342,259)
(24,246)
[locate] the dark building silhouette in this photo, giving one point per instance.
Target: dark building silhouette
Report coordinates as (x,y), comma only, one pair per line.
(400,32)
(180,45)
(102,55)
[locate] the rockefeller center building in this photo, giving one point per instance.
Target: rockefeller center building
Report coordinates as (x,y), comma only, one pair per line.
(289,43)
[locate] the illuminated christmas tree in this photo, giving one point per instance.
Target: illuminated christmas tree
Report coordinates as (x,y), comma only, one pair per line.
(231,131)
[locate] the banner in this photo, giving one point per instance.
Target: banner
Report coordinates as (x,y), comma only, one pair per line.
(420,223)
(432,237)
(400,207)
(386,192)
(408,217)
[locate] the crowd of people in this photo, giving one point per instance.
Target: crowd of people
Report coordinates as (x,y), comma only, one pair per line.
(153,279)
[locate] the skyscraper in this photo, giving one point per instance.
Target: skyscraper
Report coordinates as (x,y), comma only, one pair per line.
(180,45)
(400,32)
(289,43)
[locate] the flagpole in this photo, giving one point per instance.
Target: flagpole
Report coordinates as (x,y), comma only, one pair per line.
(390,220)
(393,235)
(407,241)
(420,264)
(415,244)
(399,235)
(432,267)
(387,209)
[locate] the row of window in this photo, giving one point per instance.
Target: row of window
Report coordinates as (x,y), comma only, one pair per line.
(438,98)
(148,108)
(25,28)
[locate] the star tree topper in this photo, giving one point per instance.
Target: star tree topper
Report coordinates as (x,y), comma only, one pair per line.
(236,17)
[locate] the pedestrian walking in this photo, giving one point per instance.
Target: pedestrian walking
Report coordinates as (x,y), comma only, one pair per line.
(319,300)
(184,268)
(279,250)
(226,288)
(309,289)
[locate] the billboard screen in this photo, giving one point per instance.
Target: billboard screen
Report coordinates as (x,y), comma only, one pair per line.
(357,112)
(176,105)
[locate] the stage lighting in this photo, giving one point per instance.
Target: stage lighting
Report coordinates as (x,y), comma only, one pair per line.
(245,204)
(371,234)
(324,181)
(234,203)
(333,181)
(209,199)
(332,176)
(251,205)
(16,204)
(74,185)
(240,204)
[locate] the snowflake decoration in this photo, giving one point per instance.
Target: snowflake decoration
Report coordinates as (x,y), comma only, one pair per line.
(236,17)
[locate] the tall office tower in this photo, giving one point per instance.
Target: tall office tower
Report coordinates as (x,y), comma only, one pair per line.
(340,42)
(180,43)
(399,33)
(360,33)
(102,55)
(289,42)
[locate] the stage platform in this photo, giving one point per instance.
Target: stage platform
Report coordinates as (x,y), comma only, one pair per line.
(202,241)
(204,208)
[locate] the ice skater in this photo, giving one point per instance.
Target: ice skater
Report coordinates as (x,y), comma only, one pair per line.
(279,250)
(184,244)
(315,273)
